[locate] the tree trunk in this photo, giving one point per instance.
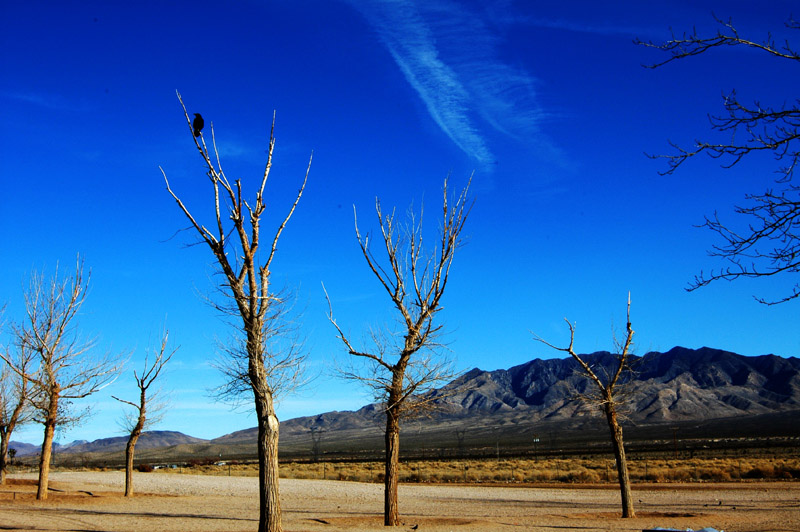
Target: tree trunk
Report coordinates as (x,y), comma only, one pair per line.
(129,450)
(269,519)
(391,512)
(4,436)
(622,464)
(44,459)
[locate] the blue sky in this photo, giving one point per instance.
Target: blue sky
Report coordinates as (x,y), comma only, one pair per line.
(547,103)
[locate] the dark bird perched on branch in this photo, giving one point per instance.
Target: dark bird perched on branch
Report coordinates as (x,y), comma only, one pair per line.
(197,124)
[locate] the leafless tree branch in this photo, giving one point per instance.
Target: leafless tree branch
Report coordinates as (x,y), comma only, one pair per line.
(148,410)
(768,245)
(608,400)
(63,370)
(400,368)
(15,408)
(237,234)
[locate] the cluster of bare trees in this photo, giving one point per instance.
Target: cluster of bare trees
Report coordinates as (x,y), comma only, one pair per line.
(401,365)
(49,365)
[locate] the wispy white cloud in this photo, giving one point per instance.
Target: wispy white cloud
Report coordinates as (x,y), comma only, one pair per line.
(53,102)
(579,27)
(449,56)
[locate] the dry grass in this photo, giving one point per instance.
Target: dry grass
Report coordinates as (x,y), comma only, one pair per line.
(573,470)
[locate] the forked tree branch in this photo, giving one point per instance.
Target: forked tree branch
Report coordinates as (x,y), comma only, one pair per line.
(606,389)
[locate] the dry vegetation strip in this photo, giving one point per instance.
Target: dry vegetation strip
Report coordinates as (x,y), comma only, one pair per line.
(578,470)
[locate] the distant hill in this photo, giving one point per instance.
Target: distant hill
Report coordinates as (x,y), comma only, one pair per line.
(148,440)
(705,391)
(334,421)
(681,384)
(24,449)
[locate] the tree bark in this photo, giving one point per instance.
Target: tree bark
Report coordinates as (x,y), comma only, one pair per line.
(129,450)
(7,429)
(136,431)
(269,494)
(391,511)
(44,460)
(622,464)
(3,456)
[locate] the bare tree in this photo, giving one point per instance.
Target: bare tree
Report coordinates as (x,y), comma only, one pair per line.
(402,365)
(14,405)
(63,370)
(148,409)
(283,353)
(607,398)
(769,244)
(235,240)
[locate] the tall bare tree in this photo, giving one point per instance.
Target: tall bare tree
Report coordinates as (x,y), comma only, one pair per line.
(64,369)
(769,243)
(14,405)
(607,398)
(402,365)
(148,409)
(235,241)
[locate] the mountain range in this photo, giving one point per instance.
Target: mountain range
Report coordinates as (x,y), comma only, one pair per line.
(679,386)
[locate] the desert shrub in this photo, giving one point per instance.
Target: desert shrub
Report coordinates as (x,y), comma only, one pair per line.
(584,475)
(676,475)
(760,472)
(451,477)
(714,474)
(144,468)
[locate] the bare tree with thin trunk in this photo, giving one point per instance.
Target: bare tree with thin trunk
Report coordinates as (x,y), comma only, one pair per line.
(235,241)
(64,370)
(14,406)
(402,365)
(148,409)
(769,243)
(607,398)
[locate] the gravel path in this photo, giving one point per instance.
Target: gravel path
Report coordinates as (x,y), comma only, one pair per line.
(180,502)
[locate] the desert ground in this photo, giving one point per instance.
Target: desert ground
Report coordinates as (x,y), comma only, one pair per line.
(83,501)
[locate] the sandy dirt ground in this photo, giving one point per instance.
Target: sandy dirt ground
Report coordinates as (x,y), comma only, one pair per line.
(170,502)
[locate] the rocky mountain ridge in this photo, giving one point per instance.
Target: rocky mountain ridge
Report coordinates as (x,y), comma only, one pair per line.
(148,440)
(676,386)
